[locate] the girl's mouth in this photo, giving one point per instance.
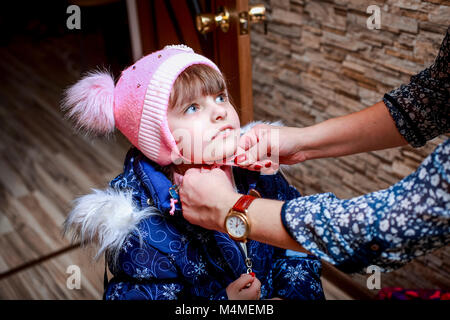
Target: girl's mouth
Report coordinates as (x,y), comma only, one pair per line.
(223,132)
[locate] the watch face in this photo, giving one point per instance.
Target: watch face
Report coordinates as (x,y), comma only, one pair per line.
(236,226)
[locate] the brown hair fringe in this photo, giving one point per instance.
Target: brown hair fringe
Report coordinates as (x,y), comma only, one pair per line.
(196,81)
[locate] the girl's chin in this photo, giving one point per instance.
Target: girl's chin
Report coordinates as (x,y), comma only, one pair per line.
(220,159)
(219,151)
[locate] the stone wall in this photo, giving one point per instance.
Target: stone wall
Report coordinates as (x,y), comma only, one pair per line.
(319,60)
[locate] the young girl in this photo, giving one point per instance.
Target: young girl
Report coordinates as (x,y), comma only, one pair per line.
(173,107)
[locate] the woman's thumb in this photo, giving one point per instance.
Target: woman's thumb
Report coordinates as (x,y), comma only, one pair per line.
(248,140)
(244,280)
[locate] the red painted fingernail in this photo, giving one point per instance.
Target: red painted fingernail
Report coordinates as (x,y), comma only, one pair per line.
(268,164)
(241,158)
(258,167)
(252,274)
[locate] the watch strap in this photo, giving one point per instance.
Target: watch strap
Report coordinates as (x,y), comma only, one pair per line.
(243,203)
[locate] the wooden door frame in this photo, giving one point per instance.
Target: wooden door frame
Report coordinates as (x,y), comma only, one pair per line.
(234,58)
(135,32)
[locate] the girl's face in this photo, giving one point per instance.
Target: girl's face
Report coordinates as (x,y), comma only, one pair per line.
(206,129)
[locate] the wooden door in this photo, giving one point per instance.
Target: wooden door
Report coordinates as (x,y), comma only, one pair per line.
(161,22)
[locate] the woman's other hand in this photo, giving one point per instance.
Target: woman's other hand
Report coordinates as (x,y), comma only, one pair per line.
(265,147)
(246,287)
(206,196)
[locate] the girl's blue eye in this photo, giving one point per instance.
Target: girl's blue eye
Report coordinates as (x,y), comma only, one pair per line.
(221,98)
(191,109)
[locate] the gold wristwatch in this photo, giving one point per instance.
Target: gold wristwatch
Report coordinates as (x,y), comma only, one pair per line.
(237,223)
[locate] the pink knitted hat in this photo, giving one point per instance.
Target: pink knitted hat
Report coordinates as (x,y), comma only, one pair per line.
(138,104)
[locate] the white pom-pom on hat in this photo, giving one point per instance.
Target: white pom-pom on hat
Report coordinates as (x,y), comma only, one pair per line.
(90,103)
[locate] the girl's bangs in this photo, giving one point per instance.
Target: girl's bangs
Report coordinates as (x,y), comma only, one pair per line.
(196,81)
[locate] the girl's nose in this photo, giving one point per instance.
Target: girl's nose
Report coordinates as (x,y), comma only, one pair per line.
(219,112)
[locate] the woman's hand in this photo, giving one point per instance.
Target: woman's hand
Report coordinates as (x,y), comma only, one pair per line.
(246,287)
(266,146)
(367,130)
(206,196)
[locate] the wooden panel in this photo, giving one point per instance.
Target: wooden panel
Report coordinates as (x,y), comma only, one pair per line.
(341,286)
(333,292)
(159,27)
(147,29)
(166,31)
(48,280)
(234,59)
(44,165)
(185,21)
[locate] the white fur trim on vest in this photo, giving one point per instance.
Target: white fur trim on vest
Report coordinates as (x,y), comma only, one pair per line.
(105,218)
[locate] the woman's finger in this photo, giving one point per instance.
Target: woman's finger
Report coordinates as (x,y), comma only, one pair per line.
(204,169)
(248,140)
(250,157)
(258,152)
(192,171)
(255,288)
(269,167)
(244,281)
(188,174)
(254,166)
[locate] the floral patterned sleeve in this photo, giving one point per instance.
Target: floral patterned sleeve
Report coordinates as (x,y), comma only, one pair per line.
(421,109)
(386,228)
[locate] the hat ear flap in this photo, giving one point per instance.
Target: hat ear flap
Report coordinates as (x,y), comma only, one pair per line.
(90,103)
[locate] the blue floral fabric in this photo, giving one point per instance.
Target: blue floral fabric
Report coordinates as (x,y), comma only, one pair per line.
(171,259)
(386,228)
